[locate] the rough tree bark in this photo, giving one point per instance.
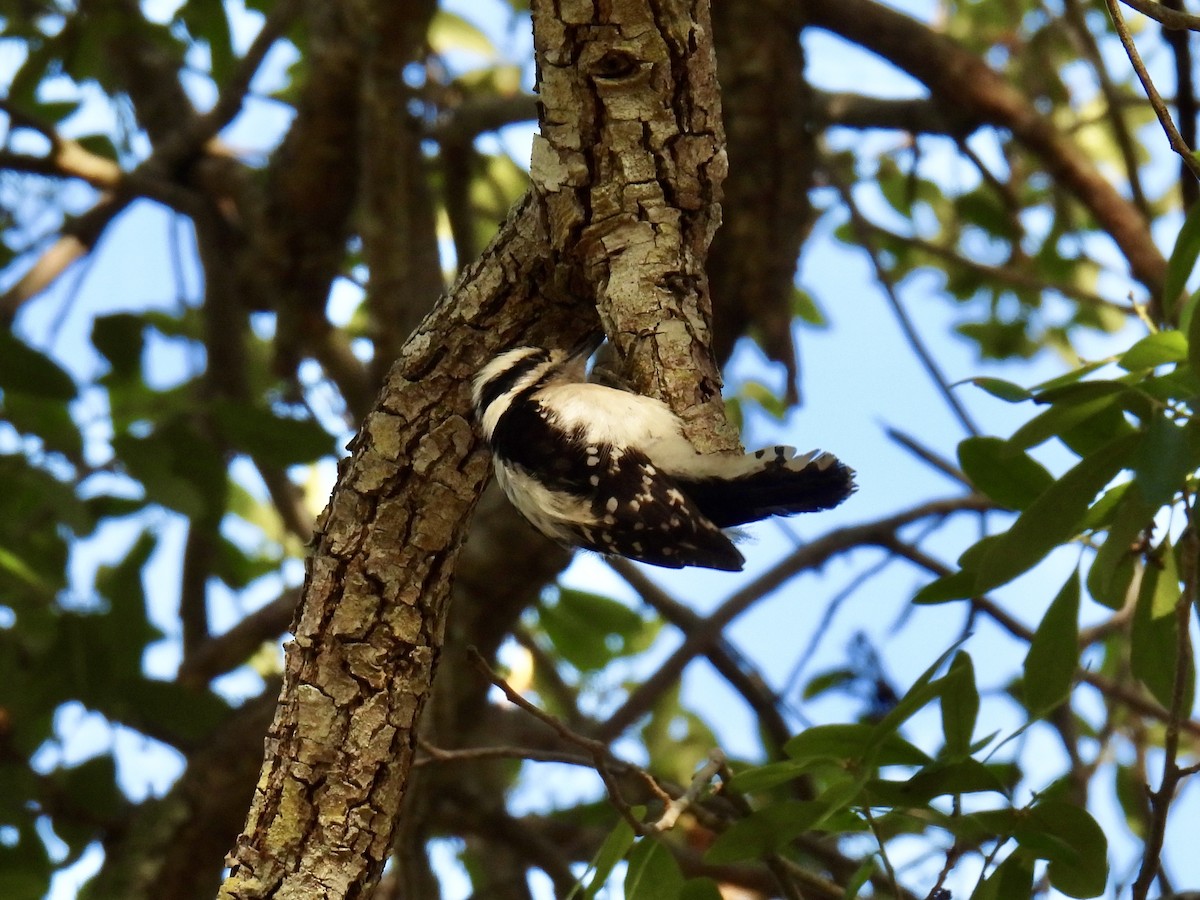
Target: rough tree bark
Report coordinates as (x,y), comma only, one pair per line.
(626,180)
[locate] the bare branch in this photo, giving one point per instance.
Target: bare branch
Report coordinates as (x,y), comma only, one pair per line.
(1165,16)
(1175,139)
(861,226)
(962,81)
(599,751)
(811,556)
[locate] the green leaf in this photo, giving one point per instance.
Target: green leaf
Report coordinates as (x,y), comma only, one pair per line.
(1011,880)
(764,777)
(1181,263)
(1010,477)
(1193,333)
(1058,419)
(653,873)
(16,567)
(1054,652)
(1154,638)
(1113,567)
(807,310)
(48,420)
(126,628)
(611,852)
(923,690)
(166,707)
(588,629)
(271,439)
(964,776)
(207,21)
(1000,340)
(960,706)
(92,787)
(178,466)
(829,681)
(1168,455)
(120,338)
(955,586)
(25,867)
(1054,517)
(1179,383)
(766,830)
(861,876)
(1155,350)
(1132,795)
(771,403)
(1077,849)
(700,889)
(450,32)
(1002,390)
(28,371)
(853,742)
(1072,377)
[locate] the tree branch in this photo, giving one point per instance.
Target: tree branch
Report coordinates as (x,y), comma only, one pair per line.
(811,556)
(961,81)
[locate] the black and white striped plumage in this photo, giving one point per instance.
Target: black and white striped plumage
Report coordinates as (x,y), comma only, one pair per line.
(611,471)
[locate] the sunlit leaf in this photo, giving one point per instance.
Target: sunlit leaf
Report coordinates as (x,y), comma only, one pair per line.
(807,310)
(1181,263)
(1155,350)
(1002,390)
(449,32)
(1113,567)
(1154,638)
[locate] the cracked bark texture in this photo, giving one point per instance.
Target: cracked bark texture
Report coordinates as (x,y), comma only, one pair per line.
(629,161)
(625,223)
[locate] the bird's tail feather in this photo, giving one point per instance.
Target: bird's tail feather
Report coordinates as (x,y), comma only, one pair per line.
(773,482)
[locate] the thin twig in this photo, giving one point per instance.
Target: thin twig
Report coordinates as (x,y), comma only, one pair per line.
(732,665)
(600,753)
(926,455)
(1156,101)
(1006,274)
(862,228)
(1089,49)
(1168,18)
(1180,43)
(811,556)
(701,780)
(233,93)
(887,863)
(1111,689)
(439,756)
(1160,800)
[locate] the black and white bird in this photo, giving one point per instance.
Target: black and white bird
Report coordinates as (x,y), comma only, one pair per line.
(611,471)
